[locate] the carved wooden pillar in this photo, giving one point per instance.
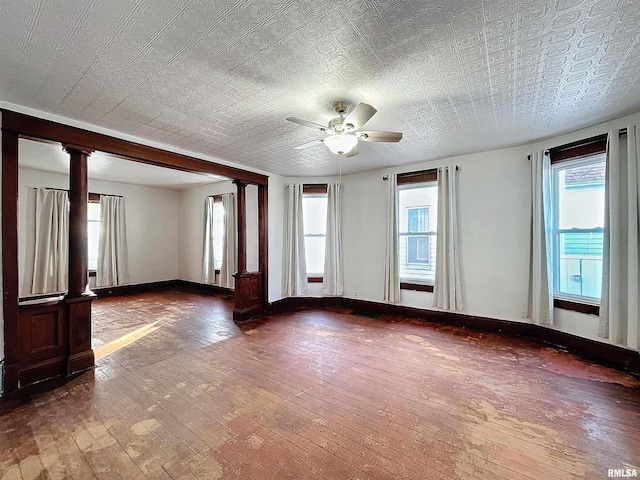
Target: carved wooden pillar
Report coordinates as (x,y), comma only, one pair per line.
(242,225)
(248,293)
(10,259)
(79,297)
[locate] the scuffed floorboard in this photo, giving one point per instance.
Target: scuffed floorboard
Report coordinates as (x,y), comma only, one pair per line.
(181,392)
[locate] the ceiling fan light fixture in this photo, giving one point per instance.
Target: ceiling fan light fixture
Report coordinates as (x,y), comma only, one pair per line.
(341,144)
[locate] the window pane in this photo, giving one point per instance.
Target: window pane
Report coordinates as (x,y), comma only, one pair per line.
(580,191)
(218,234)
(417,223)
(314,251)
(93,233)
(579,219)
(580,264)
(314,210)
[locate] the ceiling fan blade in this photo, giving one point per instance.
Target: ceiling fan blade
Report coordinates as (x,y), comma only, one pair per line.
(308,144)
(379,136)
(306,123)
(360,115)
(352,153)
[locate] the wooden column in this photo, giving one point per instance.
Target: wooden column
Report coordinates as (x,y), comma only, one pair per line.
(79,297)
(10,259)
(248,295)
(263,241)
(78,199)
(242,225)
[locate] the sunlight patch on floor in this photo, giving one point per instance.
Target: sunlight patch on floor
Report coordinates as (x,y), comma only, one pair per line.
(111,347)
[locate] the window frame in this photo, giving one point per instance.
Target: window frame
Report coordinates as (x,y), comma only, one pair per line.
(315,189)
(418,177)
(217,199)
(574,152)
(93,198)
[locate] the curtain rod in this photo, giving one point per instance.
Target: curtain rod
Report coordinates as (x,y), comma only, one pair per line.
(586,141)
(90,193)
(386,177)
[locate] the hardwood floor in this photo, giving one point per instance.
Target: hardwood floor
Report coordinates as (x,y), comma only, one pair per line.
(179,391)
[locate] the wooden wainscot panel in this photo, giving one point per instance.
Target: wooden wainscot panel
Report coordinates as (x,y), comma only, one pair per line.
(43,340)
(248,296)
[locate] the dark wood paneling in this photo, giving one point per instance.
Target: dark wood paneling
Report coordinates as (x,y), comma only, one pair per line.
(612,355)
(133,289)
(581,148)
(314,188)
(421,176)
(10,256)
(576,306)
(48,130)
(263,240)
(418,287)
(79,313)
(205,288)
(248,296)
(43,341)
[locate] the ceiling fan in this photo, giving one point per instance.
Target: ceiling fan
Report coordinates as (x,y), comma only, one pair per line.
(343,131)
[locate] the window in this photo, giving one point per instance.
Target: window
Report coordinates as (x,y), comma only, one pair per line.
(314,208)
(93,232)
(578,221)
(218,232)
(417,224)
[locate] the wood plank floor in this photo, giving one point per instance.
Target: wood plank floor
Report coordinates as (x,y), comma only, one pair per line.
(179,391)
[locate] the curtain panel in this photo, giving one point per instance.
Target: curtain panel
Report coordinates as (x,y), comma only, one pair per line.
(619,305)
(540,304)
(391,270)
(294,267)
(208,258)
(447,290)
(51,255)
(333,256)
(113,256)
(229,242)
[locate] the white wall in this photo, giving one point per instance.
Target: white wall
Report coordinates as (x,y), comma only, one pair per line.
(152,226)
(493,227)
(494,210)
(191,227)
(276,230)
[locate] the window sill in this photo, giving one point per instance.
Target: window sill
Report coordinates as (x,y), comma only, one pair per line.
(315,279)
(418,287)
(581,307)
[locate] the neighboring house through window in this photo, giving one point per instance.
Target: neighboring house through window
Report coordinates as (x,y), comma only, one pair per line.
(314,208)
(417,225)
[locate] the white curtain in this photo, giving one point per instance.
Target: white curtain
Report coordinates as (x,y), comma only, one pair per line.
(540,307)
(391,273)
(294,274)
(51,260)
(619,310)
(333,264)
(447,290)
(113,257)
(208,259)
(229,242)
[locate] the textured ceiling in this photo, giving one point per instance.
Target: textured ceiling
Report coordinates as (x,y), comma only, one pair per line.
(219,77)
(49,157)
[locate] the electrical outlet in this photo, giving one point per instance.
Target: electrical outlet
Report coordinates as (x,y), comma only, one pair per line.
(355,294)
